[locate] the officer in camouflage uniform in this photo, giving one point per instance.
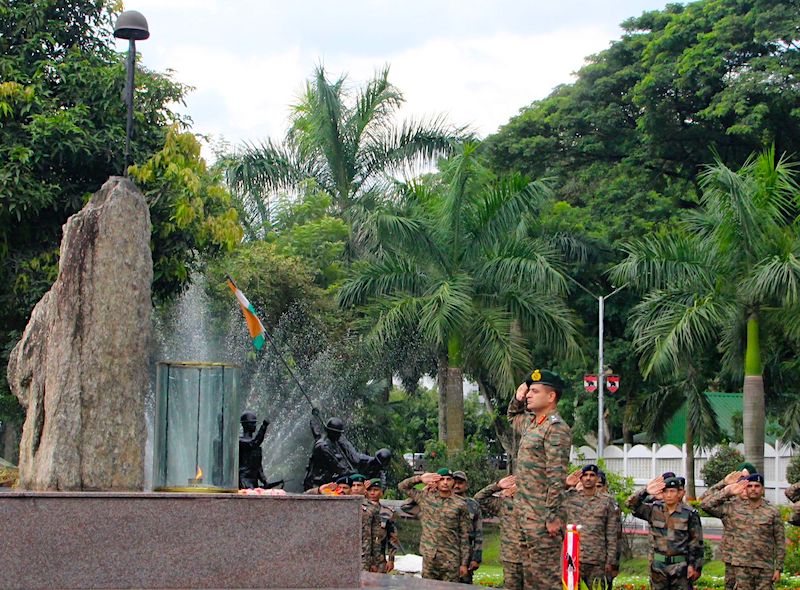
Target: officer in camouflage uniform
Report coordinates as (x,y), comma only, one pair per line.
(370,523)
(598,515)
(460,485)
(387,538)
(497,499)
(754,530)
(725,546)
(676,559)
(542,462)
(445,520)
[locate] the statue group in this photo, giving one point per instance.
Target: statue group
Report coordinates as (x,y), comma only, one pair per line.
(333,454)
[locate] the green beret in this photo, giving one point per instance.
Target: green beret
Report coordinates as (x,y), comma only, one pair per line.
(358,477)
(375,481)
(445,472)
(546,377)
(749,466)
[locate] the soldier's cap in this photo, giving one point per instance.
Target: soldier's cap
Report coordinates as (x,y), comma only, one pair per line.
(460,475)
(749,466)
(545,377)
(345,479)
(667,474)
(445,472)
(358,477)
(590,467)
(602,475)
(675,482)
(375,481)
(756,477)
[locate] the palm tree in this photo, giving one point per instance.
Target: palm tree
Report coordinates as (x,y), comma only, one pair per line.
(711,279)
(345,143)
(454,265)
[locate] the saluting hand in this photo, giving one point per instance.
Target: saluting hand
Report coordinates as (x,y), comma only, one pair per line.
(430,478)
(522,391)
(736,489)
(734,476)
(507,482)
(574,478)
(655,486)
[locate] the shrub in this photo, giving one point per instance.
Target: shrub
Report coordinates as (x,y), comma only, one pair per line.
(793,470)
(721,463)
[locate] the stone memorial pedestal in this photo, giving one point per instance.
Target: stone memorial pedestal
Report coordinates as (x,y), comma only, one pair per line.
(142,540)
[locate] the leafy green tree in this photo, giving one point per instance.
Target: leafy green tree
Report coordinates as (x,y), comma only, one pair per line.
(62,134)
(720,464)
(453,267)
(191,211)
(346,142)
(712,280)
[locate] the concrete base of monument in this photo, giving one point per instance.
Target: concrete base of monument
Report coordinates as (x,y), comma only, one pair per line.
(160,540)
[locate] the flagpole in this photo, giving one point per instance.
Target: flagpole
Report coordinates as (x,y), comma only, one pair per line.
(280,356)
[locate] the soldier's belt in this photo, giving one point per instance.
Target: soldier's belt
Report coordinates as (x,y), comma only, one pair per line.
(668,559)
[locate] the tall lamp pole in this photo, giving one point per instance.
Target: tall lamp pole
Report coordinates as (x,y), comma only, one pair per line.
(601,305)
(131,25)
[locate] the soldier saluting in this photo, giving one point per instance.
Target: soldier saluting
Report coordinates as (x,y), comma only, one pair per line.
(676,534)
(445,520)
(754,531)
(542,462)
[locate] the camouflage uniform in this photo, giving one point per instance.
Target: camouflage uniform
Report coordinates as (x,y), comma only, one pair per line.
(542,462)
(444,542)
(755,535)
(677,541)
(793,493)
(724,546)
(370,524)
(599,518)
(475,535)
(510,534)
(386,539)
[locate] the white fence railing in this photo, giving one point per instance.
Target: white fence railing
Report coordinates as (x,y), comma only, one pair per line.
(643,463)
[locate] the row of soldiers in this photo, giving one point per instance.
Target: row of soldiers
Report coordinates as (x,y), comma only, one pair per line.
(534,504)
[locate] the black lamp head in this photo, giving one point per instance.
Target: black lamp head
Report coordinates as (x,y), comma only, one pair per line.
(131,24)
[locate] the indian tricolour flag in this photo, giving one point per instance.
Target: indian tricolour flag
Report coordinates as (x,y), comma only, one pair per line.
(254,324)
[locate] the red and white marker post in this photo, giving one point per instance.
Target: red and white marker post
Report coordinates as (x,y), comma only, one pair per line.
(571,569)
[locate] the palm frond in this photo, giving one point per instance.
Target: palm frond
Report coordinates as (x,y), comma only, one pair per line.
(701,415)
(502,350)
(447,310)
(655,262)
(659,407)
(504,205)
(523,264)
(546,318)
(776,278)
(391,318)
(672,326)
(381,278)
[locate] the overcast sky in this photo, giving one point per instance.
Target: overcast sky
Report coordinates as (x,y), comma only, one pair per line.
(478,62)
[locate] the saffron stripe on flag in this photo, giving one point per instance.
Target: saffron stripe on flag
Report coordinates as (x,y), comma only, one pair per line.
(254,325)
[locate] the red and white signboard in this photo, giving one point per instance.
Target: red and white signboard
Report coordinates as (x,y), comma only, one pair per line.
(612,383)
(590,383)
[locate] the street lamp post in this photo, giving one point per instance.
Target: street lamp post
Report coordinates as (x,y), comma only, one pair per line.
(131,25)
(601,304)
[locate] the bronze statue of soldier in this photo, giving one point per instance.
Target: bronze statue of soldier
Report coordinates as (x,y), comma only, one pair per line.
(251,470)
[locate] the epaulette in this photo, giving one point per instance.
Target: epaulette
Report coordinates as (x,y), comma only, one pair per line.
(555,418)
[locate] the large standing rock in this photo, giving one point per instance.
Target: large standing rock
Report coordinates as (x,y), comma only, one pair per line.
(80,368)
